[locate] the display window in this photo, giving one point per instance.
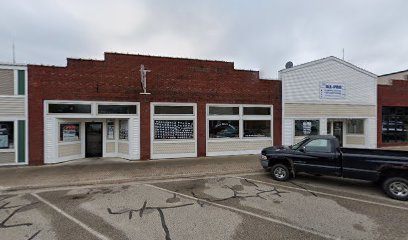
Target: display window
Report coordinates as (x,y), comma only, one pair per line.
(173,122)
(110,130)
(395,124)
(69,132)
(173,129)
(257,128)
(6,135)
(307,127)
(355,126)
(239,121)
(224,128)
(123,129)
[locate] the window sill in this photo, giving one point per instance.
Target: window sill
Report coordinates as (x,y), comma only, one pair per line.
(7,150)
(69,143)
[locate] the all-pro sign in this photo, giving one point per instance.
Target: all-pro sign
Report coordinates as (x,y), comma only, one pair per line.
(332,90)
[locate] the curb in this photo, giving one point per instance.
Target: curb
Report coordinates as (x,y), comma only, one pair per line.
(125,180)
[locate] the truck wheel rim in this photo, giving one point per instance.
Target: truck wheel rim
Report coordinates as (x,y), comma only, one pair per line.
(399,189)
(279,172)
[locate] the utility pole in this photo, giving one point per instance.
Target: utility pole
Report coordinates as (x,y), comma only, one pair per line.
(343,53)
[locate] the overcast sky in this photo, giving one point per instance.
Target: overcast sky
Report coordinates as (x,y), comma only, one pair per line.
(257,35)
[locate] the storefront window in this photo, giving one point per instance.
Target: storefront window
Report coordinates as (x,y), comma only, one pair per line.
(6,135)
(123,129)
(257,111)
(69,108)
(69,132)
(306,127)
(394,124)
(257,128)
(355,126)
(173,129)
(110,130)
(117,109)
(224,110)
(173,110)
(329,128)
(223,129)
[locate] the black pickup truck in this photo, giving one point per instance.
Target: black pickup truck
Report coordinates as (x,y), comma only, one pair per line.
(322,155)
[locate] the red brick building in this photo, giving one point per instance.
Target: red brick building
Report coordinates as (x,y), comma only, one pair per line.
(392,115)
(93,108)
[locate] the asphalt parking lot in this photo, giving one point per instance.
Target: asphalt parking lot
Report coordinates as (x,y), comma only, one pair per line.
(224,207)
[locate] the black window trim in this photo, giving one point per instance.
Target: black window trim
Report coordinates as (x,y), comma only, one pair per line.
(174,105)
(68,103)
(117,104)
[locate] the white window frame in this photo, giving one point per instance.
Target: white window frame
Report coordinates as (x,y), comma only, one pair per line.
(241,118)
(53,157)
(154,117)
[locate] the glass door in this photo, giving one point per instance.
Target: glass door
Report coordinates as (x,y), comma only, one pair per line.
(93,139)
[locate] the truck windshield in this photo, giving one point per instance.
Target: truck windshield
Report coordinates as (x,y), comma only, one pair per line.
(297,145)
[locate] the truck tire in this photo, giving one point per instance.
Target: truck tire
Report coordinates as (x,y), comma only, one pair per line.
(397,188)
(280,172)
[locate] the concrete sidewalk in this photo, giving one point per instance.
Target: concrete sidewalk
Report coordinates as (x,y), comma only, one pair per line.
(115,170)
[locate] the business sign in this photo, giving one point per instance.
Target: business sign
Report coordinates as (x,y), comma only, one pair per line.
(332,90)
(307,128)
(70,132)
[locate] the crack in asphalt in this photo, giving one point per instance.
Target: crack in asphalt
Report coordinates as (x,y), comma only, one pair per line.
(250,182)
(34,235)
(298,185)
(17,209)
(238,195)
(3,224)
(145,207)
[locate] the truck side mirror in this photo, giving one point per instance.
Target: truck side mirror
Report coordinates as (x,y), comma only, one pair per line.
(302,149)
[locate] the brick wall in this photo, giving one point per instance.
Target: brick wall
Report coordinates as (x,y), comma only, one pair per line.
(117,78)
(395,95)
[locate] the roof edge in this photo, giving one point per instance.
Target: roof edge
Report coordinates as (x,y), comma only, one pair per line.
(318,61)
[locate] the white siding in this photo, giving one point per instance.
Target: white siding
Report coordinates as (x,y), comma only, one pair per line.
(6,82)
(110,147)
(302,85)
(12,106)
(134,135)
(68,150)
(288,131)
(371,132)
(237,147)
(173,148)
(123,148)
(7,157)
(298,110)
(50,140)
(301,98)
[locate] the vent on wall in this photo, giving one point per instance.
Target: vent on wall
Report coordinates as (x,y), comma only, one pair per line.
(289,65)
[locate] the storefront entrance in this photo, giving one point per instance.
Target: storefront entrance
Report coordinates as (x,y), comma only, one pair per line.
(93,145)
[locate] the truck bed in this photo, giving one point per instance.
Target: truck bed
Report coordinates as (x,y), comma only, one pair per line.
(386,154)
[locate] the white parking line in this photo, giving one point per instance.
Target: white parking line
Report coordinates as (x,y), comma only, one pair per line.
(328,194)
(248,213)
(83,225)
